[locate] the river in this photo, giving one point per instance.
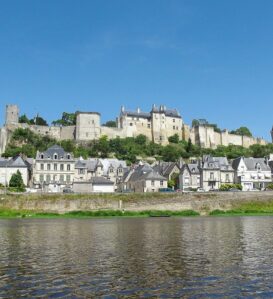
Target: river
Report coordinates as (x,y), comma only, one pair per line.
(202,257)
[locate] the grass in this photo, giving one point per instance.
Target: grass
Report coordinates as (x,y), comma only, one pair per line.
(248,208)
(6,213)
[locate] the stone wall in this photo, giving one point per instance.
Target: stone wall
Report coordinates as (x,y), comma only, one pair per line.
(203,203)
(206,137)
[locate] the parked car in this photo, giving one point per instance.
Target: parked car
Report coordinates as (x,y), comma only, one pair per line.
(200,190)
(68,190)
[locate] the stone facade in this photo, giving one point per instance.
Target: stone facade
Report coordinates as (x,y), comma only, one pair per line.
(53,169)
(157,125)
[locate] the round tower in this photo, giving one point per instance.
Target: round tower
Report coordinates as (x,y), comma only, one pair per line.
(12,114)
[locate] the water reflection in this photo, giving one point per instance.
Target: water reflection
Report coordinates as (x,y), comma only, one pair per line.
(136,258)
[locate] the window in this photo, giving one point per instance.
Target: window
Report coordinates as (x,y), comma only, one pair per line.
(149,126)
(86,134)
(61,178)
(55,166)
(153,183)
(55,156)
(68,156)
(174,120)
(161,183)
(68,167)
(111,169)
(211,176)
(48,166)
(81,171)
(131,124)
(62,167)
(68,178)
(174,127)
(42,166)
(227,177)
(48,178)
(41,178)
(120,170)
(42,156)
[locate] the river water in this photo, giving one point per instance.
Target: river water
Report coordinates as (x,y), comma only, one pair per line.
(203,257)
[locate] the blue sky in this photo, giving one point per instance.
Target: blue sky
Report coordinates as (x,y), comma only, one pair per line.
(209,59)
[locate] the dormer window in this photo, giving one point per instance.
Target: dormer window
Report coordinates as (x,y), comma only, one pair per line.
(55,156)
(258,166)
(42,156)
(68,156)
(111,169)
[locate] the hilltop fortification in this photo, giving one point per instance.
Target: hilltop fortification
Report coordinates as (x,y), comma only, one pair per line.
(157,125)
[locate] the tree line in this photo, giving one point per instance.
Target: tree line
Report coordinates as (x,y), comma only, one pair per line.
(131,149)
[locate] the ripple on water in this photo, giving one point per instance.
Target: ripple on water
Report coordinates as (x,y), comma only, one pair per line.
(136,258)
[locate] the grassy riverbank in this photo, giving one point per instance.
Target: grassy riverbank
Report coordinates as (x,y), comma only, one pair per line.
(6,213)
(249,208)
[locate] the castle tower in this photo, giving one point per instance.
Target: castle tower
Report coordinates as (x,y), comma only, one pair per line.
(88,126)
(12,114)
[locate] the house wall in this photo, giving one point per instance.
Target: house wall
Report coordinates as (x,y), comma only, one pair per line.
(103,188)
(6,174)
(154,187)
(82,187)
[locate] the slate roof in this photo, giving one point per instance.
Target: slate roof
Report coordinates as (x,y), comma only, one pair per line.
(137,114)
(16,162)
(146,172)
(148,115)
(216,163)
(194,168)
(165,168)
(251,163)
(168,112)
(101,181)
(55,149)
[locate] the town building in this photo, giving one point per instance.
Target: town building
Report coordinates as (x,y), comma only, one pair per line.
(10,166)
(94,185)
(215,171)
(189,177)
(143,178)
(54,169)
(170,170)
(87,172)
(252,173)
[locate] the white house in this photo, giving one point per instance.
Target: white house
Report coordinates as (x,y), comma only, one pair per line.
(9,166)
(189,177)
(252,173)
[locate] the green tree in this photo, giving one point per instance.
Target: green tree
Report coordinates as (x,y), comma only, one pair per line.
(39,121)
(141,139)
(24,119)
(171,153)
(68,119)
(174,138)
(110,124)
(244,131)
(17,182)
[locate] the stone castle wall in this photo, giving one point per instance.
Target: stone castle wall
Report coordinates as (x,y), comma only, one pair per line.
(157,129)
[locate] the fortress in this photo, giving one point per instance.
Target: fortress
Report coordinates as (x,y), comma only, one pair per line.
(157,125)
